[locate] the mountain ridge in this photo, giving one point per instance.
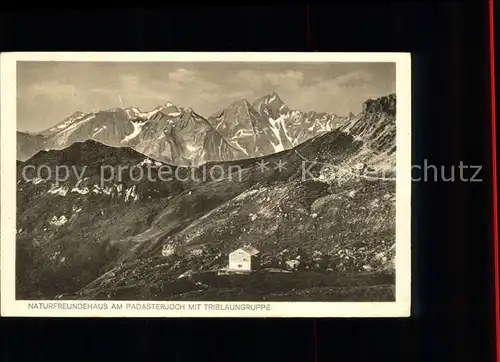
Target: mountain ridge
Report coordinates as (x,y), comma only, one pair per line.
(274,126)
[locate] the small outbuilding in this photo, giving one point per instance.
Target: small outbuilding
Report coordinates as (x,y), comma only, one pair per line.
(244,259)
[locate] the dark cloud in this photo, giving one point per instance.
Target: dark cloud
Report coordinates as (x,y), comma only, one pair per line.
(49,91)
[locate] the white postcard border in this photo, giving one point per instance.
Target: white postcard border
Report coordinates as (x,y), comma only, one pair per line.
(60,308)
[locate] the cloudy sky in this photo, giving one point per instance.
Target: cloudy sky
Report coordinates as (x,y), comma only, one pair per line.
(47,92)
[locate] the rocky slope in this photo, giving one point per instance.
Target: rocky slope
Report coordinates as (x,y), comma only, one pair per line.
(325,228)
(268,125)
(375,125)
(181,136)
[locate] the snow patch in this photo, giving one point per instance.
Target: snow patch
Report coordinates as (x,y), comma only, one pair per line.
(359,166)
(292,264)
(186,274)
(235,143)
(197,252)
(61,191)
(276,125)
(36,180)
(98,130)
(55,221)
(107,190)
(148,115)
(130,194)
(269,100)
(147,161)
(242,133)
(68,122)
(76,209)
(317,255)
(80,190)
(133,112)
(245,195)
(137,130)
(62,137)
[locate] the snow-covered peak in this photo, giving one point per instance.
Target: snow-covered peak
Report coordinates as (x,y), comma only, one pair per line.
(169,109)
(271,105)
(271,98)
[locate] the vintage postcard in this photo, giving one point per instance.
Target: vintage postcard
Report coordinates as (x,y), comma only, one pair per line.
(205,184)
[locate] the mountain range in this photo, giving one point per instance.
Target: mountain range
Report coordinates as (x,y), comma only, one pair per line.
(182,136)
(328,237)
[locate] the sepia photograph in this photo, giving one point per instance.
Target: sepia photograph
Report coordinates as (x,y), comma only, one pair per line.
(206,184)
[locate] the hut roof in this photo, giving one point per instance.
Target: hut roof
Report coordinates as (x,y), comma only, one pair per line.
(250,250)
